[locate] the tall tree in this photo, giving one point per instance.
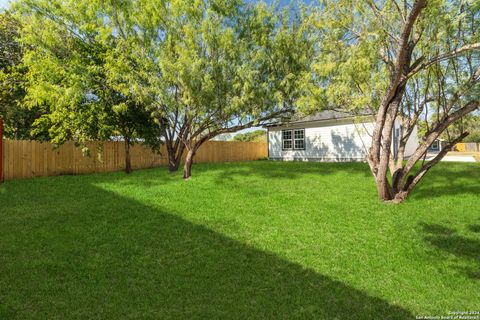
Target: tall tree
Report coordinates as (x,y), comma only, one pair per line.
(67,70)
(214,67)
(401,60)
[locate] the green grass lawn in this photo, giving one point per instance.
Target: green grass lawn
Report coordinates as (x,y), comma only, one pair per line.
(264,240)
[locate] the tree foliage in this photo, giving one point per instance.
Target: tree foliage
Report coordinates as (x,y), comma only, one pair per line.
(470,124)
(17,119)
(253,136)
(68,64)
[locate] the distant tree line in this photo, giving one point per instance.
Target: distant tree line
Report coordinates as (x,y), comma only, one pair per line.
(253,136)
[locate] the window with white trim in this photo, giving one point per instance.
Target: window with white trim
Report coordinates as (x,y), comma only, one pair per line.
(287,142)
(299,139)
(435,145)
(293,139)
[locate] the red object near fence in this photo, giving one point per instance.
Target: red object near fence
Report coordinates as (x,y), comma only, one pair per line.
(1,150)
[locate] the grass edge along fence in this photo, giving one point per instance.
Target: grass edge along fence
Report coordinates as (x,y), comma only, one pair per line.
(23,159)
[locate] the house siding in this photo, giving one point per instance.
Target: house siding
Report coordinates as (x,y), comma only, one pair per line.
(329,141)
(412,143)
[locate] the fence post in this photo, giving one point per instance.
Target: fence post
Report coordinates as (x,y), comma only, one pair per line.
(1,150)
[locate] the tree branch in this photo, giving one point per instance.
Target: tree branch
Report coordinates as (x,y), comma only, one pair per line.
(424,169)
(435,133)
(236,128)
(403,57)
(417,66)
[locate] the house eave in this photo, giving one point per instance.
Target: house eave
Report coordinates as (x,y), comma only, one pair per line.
(319,121)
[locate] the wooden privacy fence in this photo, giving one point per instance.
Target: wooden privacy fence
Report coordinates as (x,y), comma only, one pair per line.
(468,147)
(29,159)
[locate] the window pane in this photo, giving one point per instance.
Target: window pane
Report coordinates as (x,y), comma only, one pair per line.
(287,134)
(299,139)
(287,144)
(299,134)
(299,144)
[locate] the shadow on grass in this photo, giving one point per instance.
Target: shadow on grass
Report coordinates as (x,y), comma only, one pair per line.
(226,173)
(443,179)
(474,228)
(448,240)
(284,169)
(72,250)
(446,179)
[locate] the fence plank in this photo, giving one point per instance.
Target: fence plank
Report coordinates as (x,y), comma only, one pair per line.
(29,159)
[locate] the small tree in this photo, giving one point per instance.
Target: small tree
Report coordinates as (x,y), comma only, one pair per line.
(401,61)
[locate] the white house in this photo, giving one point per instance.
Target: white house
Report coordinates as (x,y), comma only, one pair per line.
(328,136)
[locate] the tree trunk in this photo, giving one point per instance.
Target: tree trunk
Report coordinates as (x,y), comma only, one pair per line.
(383,188)
(187,168)
(175,153)
(128,160)
(379,163)
(191,153)
(173,162)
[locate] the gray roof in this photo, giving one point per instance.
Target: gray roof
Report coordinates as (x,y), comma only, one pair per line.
(321,116)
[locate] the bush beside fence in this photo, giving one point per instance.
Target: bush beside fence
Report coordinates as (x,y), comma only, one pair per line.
(29,159)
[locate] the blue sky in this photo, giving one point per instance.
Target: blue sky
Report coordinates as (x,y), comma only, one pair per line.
(3,4)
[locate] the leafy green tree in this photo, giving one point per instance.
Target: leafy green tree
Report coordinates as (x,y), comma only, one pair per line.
(254,136)
(68,70)
(402,60)
(18,119)
(213,67)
